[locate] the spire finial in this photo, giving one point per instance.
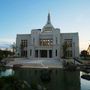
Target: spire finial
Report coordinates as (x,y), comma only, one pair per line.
(49,21)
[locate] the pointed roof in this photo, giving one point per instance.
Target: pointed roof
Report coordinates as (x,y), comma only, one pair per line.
(48,24)
(48,19)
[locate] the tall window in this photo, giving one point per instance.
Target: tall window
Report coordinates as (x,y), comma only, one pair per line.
(24,43)
(67,48)
(23,47)
(50,53)
(69,42)
(69,53)
(46,42)
(56,52)
(36,53)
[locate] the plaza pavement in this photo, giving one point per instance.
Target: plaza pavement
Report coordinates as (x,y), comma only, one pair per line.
(37,63)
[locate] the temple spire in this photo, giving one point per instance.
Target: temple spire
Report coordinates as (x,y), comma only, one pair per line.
(48,26)
(48,19)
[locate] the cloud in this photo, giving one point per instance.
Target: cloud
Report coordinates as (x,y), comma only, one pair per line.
(6,42)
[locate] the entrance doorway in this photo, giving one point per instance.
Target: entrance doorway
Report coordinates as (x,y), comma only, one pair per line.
(50,53)
(43,53)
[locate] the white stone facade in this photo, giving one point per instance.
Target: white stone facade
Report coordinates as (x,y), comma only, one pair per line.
(47,43)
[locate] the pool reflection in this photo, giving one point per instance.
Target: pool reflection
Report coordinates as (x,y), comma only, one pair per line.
(51,79)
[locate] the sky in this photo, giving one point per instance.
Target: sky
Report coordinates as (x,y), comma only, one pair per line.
(20,16)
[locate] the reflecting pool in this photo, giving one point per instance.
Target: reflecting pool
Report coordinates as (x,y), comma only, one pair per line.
(50,79)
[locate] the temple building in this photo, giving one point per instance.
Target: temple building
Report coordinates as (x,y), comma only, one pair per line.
(47,43)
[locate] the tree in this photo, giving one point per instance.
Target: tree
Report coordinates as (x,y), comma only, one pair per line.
(84,53)
(4,54)
(13,46)
(13,83)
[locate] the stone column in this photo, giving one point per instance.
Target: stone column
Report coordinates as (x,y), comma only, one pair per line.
(47,53)
(38,53)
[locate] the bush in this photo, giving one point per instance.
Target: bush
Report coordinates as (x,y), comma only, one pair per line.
(12,83)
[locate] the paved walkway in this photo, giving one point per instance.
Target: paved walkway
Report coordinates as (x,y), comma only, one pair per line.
(27,63)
